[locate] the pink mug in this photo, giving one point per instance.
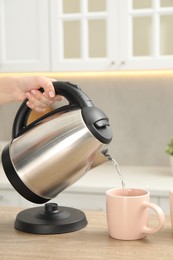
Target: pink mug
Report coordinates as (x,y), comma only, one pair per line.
(127,213)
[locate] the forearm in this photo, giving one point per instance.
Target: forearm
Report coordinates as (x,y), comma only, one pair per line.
(8,86)
(19,88)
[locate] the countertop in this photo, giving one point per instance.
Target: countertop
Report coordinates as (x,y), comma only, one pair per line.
(91,242)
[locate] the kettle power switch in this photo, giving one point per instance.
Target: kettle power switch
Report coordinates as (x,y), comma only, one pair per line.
(101,124)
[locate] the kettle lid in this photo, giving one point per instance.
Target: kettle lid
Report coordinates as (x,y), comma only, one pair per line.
(98,123)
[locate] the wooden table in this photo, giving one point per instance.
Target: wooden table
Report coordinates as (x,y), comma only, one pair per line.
(92,242)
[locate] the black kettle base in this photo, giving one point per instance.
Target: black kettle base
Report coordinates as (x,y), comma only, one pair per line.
(50,219)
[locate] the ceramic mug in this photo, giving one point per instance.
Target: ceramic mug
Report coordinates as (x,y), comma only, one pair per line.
(127,213)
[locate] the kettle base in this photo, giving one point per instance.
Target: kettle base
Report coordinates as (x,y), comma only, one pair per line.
(50,219)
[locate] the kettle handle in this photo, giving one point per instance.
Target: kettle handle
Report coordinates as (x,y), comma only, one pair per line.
(71,92)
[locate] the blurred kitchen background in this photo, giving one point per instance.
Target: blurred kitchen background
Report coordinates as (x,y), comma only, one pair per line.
(119,52)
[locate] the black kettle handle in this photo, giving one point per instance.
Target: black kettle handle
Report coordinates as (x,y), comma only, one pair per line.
(71,92)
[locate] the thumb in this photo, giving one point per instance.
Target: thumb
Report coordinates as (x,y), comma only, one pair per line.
(48,87)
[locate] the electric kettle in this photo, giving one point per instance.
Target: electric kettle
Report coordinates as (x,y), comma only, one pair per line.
(54,151)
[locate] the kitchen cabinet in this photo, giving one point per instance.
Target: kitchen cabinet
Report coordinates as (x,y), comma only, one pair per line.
(9,197)
(111,35)
(146,38)
(85,35)
(24,35)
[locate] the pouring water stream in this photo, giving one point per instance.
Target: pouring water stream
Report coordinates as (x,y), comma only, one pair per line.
(113,161)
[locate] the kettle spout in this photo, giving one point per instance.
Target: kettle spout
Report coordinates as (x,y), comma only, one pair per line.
(99,158)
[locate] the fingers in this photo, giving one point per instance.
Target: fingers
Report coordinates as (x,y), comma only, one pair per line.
(29,88)
(47,85)
(39,101)
(56,98)
(38,109)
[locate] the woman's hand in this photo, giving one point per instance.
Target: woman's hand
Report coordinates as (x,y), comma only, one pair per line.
(28,87)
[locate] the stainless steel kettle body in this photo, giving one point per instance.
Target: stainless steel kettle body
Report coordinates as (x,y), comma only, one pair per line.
(54,151)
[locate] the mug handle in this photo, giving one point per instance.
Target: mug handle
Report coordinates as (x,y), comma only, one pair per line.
(161,218)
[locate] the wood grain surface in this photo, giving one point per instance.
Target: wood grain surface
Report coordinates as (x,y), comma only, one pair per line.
(92,242)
